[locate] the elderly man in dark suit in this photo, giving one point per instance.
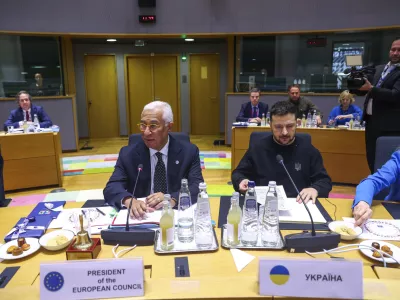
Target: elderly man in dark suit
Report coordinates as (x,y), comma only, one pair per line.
(253,110)
(382,103)
(166,161)
(26,112)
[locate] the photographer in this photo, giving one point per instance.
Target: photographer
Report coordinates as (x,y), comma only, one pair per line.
(382,103)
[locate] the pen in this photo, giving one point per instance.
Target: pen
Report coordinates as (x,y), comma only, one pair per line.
(100,211)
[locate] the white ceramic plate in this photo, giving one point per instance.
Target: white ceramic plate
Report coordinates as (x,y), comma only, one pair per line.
(31,241)
(357,229)
(368,252)
(343,127)
(45,238)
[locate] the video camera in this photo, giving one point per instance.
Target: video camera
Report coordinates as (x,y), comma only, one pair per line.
(357,76)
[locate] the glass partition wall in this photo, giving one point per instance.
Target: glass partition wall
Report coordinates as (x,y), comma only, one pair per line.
(316,62)
(30,63)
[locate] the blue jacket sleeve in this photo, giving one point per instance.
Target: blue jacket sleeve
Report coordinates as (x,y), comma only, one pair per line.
(358,112)
(44,119)
(376,182)
(240,117)
(11,122)
(115,189)
(334,113)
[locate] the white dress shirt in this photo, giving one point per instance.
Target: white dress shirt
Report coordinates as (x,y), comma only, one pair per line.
(154,160)
(24,113)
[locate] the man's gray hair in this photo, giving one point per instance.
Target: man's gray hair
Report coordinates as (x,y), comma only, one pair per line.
(166,109)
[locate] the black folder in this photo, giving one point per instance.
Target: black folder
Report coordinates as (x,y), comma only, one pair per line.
(393,209)
(225,203)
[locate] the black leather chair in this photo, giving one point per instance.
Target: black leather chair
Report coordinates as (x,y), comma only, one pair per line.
(180,136)
(255,136)
(385,146)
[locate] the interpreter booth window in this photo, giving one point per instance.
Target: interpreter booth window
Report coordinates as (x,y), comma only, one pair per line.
(31,64)
(316,62)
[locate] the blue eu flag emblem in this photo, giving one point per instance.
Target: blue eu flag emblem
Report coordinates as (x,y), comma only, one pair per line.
(53,281)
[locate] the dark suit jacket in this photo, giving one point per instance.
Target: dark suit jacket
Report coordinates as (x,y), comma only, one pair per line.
(386,104)
(17,115)
(246,111)
(183,162)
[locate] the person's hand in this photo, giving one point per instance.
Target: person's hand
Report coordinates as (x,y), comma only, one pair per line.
(340,117)
(331,121)
(243,186)
(255,120)
(318,119)
(155,200)
(138,209)
(308,194)
(298,121)
(361,212)
(367,86)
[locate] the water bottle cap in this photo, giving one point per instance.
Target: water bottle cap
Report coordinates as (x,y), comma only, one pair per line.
(235,194)
(184,180)
(167,197)
(251,184)
(272,183)
(202,185)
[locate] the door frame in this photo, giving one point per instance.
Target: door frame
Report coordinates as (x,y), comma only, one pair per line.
(190,88)
(116,90)
(126,78)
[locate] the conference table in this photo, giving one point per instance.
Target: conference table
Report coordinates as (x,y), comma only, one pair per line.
(212,275)
(342,150)
(31,160)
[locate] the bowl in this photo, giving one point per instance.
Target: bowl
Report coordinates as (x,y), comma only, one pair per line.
(347,237)
(45,238)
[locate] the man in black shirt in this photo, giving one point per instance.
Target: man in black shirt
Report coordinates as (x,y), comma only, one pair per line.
(303,160)
(302,104)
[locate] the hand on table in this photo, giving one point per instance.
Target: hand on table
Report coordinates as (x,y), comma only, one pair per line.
(243,186)
(344,117)
(155,200)
(361,212)
(308,194)
(138,209)
(255,120)
(318,119)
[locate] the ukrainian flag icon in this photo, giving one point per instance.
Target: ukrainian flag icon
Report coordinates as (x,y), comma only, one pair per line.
(279,275)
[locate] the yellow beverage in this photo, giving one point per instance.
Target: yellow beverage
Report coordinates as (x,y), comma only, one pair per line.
(167,228)
(234,221)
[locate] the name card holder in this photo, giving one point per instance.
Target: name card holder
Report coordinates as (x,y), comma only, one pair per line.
(91,279)
(317,278)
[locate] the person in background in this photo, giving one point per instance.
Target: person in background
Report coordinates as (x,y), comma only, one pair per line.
(302,159)
(37,88)
(302,104)
(252,111)
(387,176)
(166,161)
(345,110)
(26,112)
(382,103)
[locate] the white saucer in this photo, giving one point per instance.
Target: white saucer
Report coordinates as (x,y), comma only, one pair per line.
(368,252)
(34,243)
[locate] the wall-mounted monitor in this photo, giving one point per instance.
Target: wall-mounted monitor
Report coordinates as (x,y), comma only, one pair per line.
(343,50)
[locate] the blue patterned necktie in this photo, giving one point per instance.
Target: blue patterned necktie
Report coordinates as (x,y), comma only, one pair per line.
(160,176)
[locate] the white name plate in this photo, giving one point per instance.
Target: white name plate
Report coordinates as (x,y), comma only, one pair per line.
(89,279)
(311,278)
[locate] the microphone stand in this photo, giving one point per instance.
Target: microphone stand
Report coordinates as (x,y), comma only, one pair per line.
(133,194)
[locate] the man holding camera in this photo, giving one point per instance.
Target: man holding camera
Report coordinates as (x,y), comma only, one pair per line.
(382,103)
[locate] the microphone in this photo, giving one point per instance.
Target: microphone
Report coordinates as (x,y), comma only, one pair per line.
(306,241)
(123,236)
(140,168)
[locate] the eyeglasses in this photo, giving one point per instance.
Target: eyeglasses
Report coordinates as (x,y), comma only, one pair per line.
(152,127)
(289,127)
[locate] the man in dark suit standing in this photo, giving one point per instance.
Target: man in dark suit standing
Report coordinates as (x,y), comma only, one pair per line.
(26,112)
(166,161)
(253,110)
(382,103)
